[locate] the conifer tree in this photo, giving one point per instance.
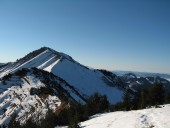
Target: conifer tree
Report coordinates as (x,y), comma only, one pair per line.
(127,99)
(157,94)
(13,123)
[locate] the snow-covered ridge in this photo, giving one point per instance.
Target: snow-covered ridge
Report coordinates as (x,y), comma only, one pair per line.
(30,92)
(86,81)
(16,98)
(43,58)
(57,72)
(147,118)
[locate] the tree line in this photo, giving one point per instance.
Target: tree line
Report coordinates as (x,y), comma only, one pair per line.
(143,98)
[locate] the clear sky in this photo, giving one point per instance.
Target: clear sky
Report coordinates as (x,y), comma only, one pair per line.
(110,34)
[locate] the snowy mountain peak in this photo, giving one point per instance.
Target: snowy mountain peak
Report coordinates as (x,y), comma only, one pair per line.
(85,80)
(63,55)
(41,58)
(46,77)
(46,71)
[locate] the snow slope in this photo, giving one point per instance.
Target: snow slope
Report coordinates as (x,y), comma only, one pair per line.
(41,61)
(147,118)
(29,92)
(15,98)
(86,81)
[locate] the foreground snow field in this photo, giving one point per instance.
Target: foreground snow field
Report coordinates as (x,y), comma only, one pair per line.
(147,118)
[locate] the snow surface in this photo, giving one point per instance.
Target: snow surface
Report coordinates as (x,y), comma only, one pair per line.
(86,81)
(147,118)
(40,61)
(15,98)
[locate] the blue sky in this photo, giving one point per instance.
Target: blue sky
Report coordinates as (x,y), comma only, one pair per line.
(110,34)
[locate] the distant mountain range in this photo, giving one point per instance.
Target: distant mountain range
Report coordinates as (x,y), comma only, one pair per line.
(142,74)
(47,78)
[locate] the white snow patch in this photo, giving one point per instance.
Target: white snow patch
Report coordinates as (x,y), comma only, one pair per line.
(49,68)
(84,80)
(15,97)
(147,118)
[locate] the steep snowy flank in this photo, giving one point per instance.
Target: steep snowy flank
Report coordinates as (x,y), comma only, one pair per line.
(15,98)
(29,92)
(85,81)
(147,118)
(40,60)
